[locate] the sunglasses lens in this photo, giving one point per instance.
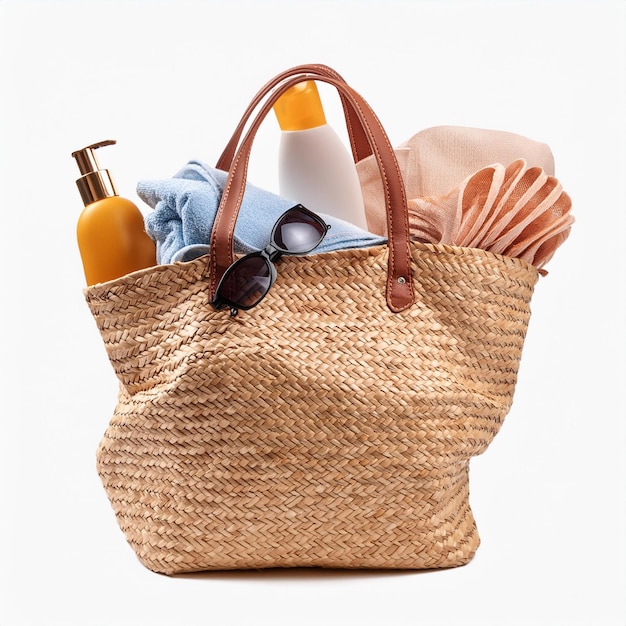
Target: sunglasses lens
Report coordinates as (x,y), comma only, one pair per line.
(298,232)
(246,282)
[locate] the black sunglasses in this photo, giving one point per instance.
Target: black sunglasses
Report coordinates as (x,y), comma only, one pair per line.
(248,280)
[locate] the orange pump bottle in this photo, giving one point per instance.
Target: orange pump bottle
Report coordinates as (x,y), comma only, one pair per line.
(111,233)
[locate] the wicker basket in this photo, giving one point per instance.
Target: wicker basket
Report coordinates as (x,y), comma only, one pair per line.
(314,430)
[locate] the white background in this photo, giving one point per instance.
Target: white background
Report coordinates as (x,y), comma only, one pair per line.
(169,80)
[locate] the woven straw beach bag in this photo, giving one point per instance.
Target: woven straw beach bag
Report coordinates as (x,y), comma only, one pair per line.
(333,424)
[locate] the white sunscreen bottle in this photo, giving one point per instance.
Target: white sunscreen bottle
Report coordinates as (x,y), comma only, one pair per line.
(315,167)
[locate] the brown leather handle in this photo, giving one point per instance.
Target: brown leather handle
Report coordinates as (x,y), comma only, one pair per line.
(399,289)
(358,140)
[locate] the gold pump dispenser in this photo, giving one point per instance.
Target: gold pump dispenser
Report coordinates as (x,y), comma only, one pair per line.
(111,232)
(94,184)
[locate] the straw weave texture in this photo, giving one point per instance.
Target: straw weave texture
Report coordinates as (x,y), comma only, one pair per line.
(317,429)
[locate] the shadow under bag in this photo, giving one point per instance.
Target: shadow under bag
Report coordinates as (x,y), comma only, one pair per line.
(331,425)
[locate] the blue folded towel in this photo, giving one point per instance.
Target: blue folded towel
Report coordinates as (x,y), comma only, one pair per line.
(185,207)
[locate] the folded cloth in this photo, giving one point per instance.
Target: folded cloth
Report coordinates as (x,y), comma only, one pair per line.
(438,159)
(461,194)
(185,207)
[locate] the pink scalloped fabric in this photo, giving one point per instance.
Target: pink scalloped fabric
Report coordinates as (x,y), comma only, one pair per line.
(517,211)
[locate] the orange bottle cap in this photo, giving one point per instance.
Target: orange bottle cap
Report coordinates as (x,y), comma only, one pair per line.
(300,107)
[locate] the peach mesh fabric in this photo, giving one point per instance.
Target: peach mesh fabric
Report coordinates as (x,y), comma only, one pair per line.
(460,193)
